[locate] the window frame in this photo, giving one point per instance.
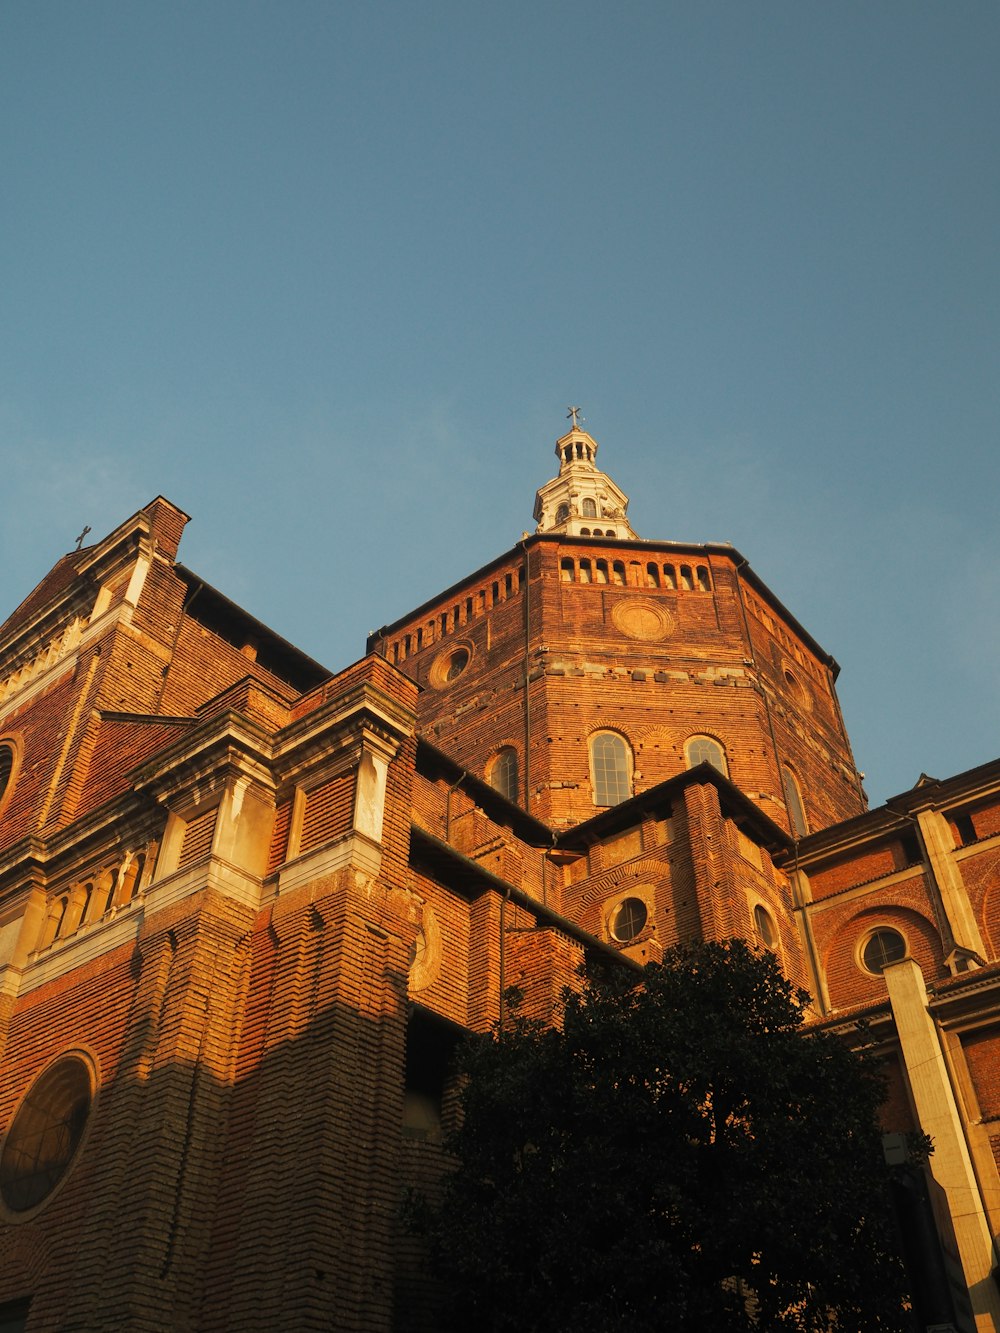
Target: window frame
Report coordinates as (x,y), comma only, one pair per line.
(616,911)
(597,743)
(702,738)
(505,757)
(769,935)
(869,937)
(9,745)
(24,1109)
(794,804)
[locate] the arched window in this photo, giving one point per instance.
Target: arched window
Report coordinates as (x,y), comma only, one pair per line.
(618,573)
(589,508)
(6,766)
(764,926)
(562,513)
(610,768)
(705,750)
(652,576)
(503,773)
(793,799)
(669,576)
(566,570)
(6,769)
(704,583)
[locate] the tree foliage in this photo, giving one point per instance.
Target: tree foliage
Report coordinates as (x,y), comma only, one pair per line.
(681,1155)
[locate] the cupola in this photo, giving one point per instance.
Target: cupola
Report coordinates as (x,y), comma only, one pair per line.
(581,501)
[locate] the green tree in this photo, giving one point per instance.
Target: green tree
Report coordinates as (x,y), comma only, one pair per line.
(681,1155)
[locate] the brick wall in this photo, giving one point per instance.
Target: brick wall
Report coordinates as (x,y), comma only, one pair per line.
(597,657)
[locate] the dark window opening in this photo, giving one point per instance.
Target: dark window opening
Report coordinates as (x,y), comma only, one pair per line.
(14,1316)
(910,849)
(966,829)
(430,1046)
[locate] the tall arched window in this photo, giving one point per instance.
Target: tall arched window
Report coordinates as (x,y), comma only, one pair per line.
(610,768)
(764,926)
(589,508)
(6,769)
(793,799)
(503,773)
(705,750)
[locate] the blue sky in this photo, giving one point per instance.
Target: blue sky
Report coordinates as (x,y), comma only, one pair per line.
(326,275)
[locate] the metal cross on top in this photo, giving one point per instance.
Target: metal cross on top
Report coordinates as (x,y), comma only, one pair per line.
(571,414)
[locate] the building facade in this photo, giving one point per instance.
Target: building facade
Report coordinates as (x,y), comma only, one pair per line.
(247,906)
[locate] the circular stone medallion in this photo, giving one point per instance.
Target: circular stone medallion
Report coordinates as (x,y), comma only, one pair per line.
(642,620)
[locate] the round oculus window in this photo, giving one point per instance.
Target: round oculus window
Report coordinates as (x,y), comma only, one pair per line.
(449,665)
(628,919)
(882,947)
(456,664)
(45,1134)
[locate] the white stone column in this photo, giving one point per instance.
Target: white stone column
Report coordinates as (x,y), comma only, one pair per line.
(940,1117)
(369,796)
(940,847)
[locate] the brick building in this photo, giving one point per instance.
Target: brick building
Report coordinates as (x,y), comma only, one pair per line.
(247,906)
